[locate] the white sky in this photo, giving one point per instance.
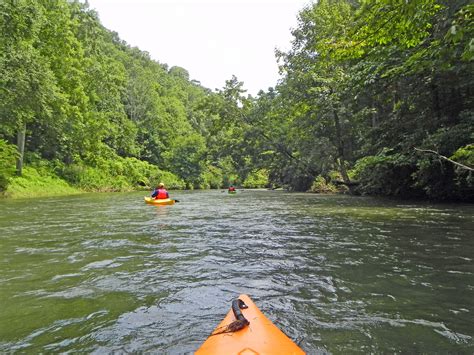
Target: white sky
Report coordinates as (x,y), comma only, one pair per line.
(211,39)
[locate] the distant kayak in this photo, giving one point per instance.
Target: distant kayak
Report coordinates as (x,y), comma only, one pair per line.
(166,201)
(245,330)
(232,192)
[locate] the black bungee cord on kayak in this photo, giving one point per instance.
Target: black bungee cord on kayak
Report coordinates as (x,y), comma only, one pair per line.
(237,305)
(240,322)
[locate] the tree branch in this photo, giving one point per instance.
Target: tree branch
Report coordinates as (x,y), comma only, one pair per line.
(445,158)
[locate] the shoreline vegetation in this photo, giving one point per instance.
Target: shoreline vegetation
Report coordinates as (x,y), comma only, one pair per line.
(367,105)
(40,181)
(32,184)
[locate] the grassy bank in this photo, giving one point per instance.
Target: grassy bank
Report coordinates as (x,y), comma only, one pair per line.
(34,183)
(52,178)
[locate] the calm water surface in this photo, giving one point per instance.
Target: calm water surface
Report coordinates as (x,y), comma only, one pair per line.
(104,273)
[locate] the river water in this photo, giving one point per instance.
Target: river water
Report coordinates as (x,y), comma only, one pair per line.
(104,273)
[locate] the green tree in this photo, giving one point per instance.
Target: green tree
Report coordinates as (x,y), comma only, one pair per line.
(27,85)
(185,158)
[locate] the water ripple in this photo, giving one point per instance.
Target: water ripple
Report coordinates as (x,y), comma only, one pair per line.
(105,273)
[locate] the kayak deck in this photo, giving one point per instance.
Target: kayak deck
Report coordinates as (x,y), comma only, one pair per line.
(261,336)
(152,201)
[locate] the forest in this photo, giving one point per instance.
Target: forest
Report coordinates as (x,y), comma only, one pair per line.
(375,98)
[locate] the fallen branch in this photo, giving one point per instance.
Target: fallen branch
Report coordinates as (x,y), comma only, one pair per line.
(445,158)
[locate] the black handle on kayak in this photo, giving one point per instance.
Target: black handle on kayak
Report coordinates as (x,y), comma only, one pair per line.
(237,305)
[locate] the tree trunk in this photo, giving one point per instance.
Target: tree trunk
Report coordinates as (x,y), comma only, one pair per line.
(20,143)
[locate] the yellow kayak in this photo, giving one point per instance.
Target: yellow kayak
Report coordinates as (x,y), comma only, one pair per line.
(245,330)
(165,201)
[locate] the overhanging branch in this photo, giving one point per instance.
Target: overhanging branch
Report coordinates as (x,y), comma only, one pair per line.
(445,158)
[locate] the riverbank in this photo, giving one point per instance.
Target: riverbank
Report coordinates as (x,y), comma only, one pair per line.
(46,179)
(34,184)
(43,182)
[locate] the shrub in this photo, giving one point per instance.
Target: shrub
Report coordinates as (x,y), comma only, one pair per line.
(388,174)
(8,155)
(442,180)
(170,180)
(212,178)
(39,181)
(256,179)
(117,174)
(320,185)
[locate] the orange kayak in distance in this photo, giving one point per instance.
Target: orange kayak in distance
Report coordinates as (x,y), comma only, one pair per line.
(257,334)
(152,201)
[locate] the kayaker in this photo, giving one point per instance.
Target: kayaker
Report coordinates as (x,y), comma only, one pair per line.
(160,192)
(231,188)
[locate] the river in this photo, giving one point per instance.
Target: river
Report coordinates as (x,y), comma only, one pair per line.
(104,273)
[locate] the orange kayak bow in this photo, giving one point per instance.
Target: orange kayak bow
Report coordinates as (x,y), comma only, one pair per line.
(245,330)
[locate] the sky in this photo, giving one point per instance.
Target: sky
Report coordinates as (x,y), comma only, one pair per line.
(211,39)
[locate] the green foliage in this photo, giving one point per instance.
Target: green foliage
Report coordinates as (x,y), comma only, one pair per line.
(404,23)
(438,178)
(465,155)
(334,175)
(320,185)
(411,176)
(387,174)
(363,84)
(27,87)
(212,178)
(364,90)
(257,179)
(93,179)
(170,180)
(8,155)
(464,179)
(117,174)
(93,104)
(461,32)
(39,181)
(446,140)
(185,158)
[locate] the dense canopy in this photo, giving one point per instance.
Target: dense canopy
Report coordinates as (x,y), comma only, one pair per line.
(374,97)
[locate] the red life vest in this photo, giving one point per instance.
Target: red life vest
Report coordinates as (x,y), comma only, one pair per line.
(162,194)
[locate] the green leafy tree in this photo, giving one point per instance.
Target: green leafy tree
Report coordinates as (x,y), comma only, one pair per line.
(185,158)
(8,155)
(28,89)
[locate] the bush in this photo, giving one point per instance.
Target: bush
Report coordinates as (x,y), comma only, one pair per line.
(387,174)
(118,174)
(443,180)
(464,155)
(39,181)
(8,155)
(170,180)
(212,178)
(320,185)
(256,179)
(464,179)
